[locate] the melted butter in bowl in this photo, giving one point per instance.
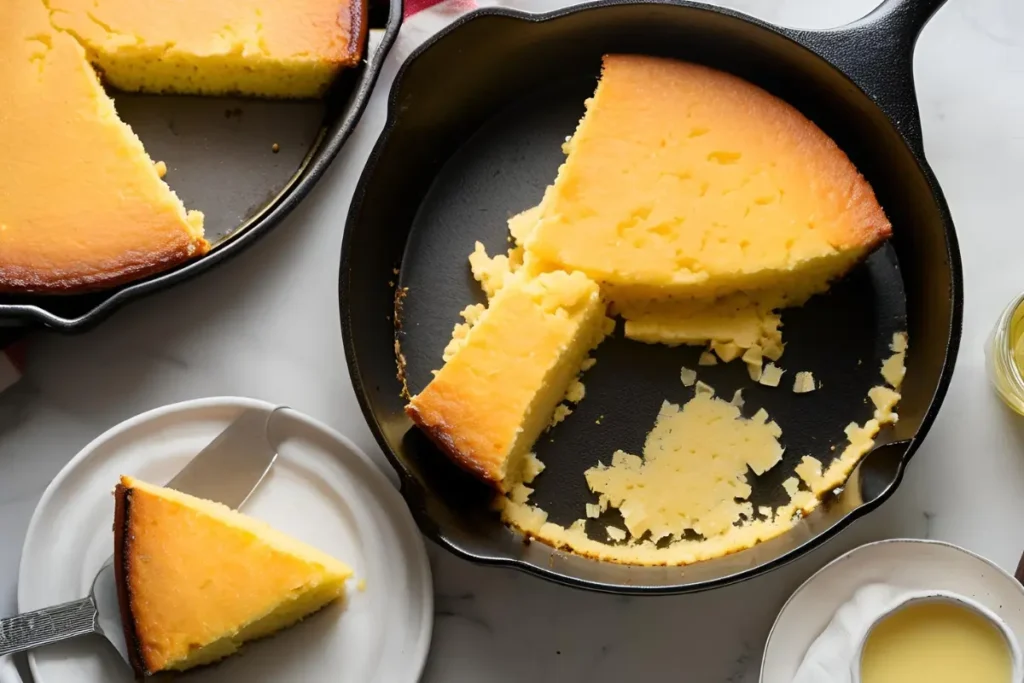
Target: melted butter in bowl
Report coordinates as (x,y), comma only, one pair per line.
(939,639)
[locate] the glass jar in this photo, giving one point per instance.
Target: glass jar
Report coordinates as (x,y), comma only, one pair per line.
(1002,365)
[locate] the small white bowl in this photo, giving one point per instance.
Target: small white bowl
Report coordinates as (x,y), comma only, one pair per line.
(917,597)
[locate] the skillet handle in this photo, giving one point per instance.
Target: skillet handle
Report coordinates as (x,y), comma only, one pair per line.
(877,53)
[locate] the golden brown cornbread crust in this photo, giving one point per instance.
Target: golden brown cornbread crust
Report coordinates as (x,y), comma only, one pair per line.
(358,31)
(29,279)
(122,577)
(466,448)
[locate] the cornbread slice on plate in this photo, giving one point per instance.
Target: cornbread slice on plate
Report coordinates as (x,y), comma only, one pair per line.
(197,579)
(81,204)
(271,48)
(488,404)
(686,182)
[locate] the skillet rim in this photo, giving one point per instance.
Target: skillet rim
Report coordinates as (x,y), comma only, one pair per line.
(953,257)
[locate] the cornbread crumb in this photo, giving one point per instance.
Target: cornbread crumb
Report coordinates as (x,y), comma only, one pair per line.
(532,466)
(771,376)
(588,363)
(885,399)
(899,342)
(460,333)
(561,412)
(593,510)
(792,485)
(161,169)
(893,369)
(753,355)
(520,493)
(688,376)
(704,389)
(803,383)
(491,273)
(275,148)
(615,533)
(576,391)
(707,358)
(727,351)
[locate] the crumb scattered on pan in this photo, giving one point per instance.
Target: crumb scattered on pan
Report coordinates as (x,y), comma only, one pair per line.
(704,389)
(400,295)
(562,411)
(593,510)
(771,375)
(588,363)
(161,168)
(803,383)
(576,391)
(707,358)
(894,367)
(727,351)
(615,533)
(275,148)
(687,376)
(460,333)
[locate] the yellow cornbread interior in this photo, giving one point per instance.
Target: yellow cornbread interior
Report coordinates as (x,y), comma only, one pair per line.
(693,473)
(673,186)
(270,48)
(81,202)
(203,578)
(507,373)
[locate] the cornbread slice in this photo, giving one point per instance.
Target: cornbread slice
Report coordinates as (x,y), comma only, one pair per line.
(686,182)
(488,404)
(196,579)
(81,203)
(270,48)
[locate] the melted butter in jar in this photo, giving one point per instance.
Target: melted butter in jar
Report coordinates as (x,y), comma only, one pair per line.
(936,642)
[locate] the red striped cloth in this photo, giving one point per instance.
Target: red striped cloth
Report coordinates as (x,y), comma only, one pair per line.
(450,6)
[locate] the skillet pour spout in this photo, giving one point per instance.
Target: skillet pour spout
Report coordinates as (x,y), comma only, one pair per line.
(466,156)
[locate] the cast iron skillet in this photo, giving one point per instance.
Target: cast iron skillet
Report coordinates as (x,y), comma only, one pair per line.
(219,152)
(462,152)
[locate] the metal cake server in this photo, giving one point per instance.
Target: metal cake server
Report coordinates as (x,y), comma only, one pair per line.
(228,470)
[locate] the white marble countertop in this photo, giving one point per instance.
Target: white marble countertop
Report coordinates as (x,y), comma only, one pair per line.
(266,325)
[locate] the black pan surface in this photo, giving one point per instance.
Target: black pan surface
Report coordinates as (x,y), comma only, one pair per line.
(245,163)
(473,154)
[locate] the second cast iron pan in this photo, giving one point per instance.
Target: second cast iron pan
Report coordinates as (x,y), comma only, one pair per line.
(220,157)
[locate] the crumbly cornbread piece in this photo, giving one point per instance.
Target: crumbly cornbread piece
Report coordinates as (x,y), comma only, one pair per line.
(499,390)
(196,579)
(684,181)
(693,474)
(269,48)
(82,205)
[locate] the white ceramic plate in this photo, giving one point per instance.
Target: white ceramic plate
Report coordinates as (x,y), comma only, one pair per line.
(322,490)
(915,564)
